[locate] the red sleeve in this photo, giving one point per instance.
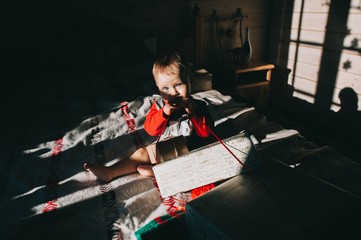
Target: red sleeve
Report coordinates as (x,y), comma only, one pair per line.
(200,125)
(154,121)
(201,120)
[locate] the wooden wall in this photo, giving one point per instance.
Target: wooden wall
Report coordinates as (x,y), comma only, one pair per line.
(216,44)
(315,45)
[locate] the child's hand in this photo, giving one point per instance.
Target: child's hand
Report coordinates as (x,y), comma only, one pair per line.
(171,104)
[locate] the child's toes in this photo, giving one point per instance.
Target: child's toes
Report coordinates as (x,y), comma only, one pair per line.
(145,170)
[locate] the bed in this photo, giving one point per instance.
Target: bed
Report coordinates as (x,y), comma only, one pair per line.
(97,115)
(47,194)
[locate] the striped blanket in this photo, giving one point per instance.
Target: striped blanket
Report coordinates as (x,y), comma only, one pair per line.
(48,195)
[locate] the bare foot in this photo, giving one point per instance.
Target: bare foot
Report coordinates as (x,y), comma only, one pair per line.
(100,171)
(145,170)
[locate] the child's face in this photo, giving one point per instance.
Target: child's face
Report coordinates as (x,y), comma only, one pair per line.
(170,85)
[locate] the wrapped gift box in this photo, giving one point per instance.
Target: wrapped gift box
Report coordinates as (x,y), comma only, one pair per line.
(206,165)
(276,202)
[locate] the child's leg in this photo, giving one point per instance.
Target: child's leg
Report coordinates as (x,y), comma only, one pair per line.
(129,165)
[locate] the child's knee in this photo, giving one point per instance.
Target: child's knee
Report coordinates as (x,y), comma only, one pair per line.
(141,155)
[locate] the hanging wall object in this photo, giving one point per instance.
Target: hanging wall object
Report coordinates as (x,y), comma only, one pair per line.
(241,51)
(247,47)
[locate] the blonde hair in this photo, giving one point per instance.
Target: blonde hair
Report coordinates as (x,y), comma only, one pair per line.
(172,63)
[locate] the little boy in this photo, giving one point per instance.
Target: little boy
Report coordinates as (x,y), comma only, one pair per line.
(177,113)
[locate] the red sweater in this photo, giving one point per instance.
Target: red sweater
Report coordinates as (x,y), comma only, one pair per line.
(155,120)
